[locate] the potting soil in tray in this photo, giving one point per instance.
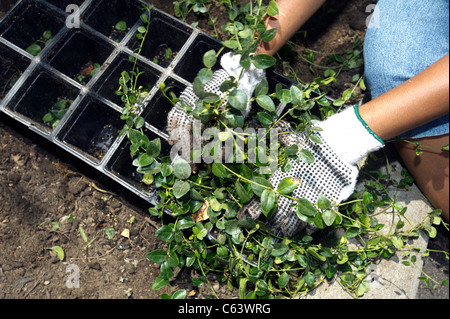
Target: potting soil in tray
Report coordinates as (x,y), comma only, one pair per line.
(60,80)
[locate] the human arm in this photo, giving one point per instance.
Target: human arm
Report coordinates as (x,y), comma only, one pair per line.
(292,15)
(417,101)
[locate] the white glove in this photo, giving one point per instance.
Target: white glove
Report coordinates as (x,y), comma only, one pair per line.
(180,124)
(346,139)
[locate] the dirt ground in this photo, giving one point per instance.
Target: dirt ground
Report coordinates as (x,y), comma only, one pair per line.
(45,196)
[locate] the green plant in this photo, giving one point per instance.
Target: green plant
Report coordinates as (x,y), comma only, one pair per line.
(36,47)
(85,238)
(165,54)
(204,232)
(57,112)
(88,72)
(121,26)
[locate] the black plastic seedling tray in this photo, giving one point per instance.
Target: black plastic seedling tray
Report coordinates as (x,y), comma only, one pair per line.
(31,84)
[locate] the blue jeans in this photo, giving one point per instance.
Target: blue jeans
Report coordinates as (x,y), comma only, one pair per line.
(403,38)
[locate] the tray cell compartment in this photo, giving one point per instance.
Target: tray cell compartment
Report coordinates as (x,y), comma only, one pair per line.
(26,25)
(79,55)
(121,163)
(159,106)
(105,15)
(42,93)
(92,129)
(192,61)
(108,83)
(12,65)
(165,39)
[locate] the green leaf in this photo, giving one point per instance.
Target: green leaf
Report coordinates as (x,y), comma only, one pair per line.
(181,168)
(58,251)
(306,156)
(288,185)
(283,280)
(234,118)
(329,216)
(82,233)
(268,202)
(205,75)
(238,99)
(164,233)
(242,287)
(210,59)
(180,189)
(159,283)
(154,147)
(291,150)
(262,88)
(265,119)
(173,259)
(258,185)
(279,249)
(268,35)
(157,256)
(263,61)
(310,279)
(34,49)
(121,26)
(266,103)
(272,9)
(305,207)
(144,18)
(47,35)
(323,202)
(367,198)
(110,232)
(219,170)
(352,232)
(296,95)
(244,197)
(47,117)
(166,169)
(142,29)
(185,223)
(148,179)
(145,160)
(180,294)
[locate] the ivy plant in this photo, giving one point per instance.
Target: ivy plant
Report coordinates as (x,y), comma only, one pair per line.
(199,208)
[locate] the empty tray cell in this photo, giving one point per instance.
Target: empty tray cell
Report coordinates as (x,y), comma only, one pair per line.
(159,106)
(62,4)
(192,60)
(113,18)
(12,65)
(165,39)
(80,55)
(44,99)
(121,163)
(31,26)
(92,129)
(108,83)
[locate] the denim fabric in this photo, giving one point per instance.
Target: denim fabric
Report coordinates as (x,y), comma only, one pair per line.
(403,38)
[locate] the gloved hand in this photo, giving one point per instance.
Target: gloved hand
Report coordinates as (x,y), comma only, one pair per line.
(180,124)
(346,139)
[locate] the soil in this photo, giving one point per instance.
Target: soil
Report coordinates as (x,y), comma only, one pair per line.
(46,196)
